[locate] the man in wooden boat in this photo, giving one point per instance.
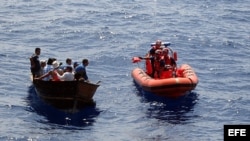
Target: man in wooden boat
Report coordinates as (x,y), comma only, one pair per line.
(48,68)
(35,63)
(75,64)
(67,75)
(80,70)
(68,62)
(43,65)
(52,74)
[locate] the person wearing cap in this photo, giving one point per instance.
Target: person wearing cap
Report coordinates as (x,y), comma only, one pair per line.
(75,64)
(80,70)
(35,63)
(52,74)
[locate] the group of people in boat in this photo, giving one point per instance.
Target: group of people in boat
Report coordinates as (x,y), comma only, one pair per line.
(162,64)
(52,70)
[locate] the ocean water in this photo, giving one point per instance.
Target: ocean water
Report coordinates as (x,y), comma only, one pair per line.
(211,36)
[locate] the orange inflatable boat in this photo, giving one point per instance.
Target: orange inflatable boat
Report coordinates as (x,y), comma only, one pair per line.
(173,82)
(185,81)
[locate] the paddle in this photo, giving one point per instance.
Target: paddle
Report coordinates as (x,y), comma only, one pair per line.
(136,59)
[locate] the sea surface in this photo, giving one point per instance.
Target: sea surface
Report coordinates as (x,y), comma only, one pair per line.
(212,36)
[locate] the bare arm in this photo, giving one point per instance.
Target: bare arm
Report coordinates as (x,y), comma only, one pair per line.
(45,75)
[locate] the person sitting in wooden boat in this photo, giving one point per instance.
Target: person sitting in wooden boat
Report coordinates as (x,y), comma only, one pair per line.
(52,74)
(68,62)
(75,64)
(67,75)
(48,68)
(42,64)
(35,63)
(80,70)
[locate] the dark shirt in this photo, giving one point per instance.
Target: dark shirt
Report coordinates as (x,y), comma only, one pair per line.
(35,63)
(82,71)
(152,50)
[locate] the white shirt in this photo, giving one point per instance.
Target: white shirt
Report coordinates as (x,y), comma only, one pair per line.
(46,69)
(67,76)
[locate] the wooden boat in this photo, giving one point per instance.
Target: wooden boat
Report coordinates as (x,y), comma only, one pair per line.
(184,81)
(66,94)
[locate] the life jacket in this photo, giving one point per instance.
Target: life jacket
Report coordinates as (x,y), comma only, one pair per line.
(166,74)
(179,72)
(148,67)
(167,60)
(157,64)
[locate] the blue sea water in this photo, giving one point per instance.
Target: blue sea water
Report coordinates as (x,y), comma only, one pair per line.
(211,36)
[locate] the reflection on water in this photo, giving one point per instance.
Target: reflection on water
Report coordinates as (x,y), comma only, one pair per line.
(175,111)
(84,117)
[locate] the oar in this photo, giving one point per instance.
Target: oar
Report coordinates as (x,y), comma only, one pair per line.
(136,59)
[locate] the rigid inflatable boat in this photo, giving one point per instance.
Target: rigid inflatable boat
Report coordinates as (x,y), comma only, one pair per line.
(181,83)
(167,87)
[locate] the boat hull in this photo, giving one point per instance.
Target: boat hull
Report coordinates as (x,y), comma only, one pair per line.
(66,94)
(167,87)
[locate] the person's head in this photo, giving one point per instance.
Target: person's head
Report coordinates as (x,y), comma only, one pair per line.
(158,43)
(37,51)
(165,51)
(60,71)
(50,61)
(85,62)
(69,69)
(158,53)
(43,63)
(68,61)
(75,64)
(55,64)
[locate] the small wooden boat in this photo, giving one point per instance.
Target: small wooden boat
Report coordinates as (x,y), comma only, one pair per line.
(172,83)
(66,94)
